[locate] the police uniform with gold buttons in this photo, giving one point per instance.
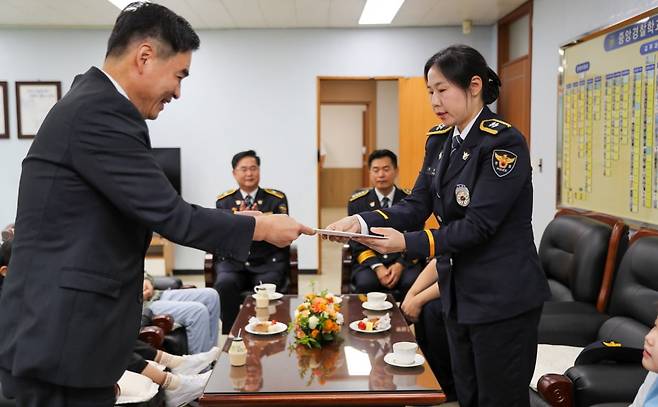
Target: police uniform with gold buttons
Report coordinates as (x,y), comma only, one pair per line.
(266,262)
(488,267)
(364,278)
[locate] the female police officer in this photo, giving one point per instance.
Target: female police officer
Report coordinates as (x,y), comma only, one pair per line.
(476,179)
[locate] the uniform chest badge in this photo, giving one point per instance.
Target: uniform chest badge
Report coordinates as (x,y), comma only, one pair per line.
(238,202)
(372,204)
(441,155)
(260,202)
(503,162)
(462,195)
(466,155)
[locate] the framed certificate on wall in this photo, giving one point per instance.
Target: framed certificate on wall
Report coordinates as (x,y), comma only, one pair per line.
(33,102)
(4,113)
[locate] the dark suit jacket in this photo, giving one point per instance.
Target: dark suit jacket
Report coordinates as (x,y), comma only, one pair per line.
(269,201)
(362,256)
(90,196)
(482,196)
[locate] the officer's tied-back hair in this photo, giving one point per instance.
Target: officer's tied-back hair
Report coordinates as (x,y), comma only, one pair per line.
(381,154)
(5,253)
(460,63)
(242,154)
(140,20)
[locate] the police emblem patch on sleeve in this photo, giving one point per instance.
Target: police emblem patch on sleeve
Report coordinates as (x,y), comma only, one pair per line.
(503,162)
(462,195)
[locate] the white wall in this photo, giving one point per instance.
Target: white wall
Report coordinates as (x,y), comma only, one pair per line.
(388,116)
(341,133)
(247,89)
(556,22)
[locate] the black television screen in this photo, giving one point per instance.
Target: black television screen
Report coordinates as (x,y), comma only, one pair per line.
(169,159)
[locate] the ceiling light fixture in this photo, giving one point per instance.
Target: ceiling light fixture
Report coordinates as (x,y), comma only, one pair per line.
(121,4)
(380,11)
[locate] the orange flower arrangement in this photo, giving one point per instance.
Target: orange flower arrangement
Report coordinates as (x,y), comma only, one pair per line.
(317,320)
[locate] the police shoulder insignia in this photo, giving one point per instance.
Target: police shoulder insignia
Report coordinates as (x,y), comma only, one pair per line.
(493,126)
(227,193)
(274,192)
(406,190)
(611,344)
(359,194)
(503,162)
(440,129)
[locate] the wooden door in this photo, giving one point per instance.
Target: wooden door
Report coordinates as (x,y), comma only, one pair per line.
(514,67)
(514,104)
(416,118)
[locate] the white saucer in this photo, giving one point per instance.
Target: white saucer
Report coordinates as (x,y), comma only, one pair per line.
(272,297)
(390,359)
(280,327)
(385,305)
(354,325)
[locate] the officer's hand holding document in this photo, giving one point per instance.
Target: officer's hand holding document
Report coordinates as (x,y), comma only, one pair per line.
(383,240)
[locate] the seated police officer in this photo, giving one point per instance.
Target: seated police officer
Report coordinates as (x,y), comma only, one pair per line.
(266,263)
(372,271)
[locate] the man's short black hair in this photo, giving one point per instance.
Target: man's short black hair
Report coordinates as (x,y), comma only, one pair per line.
(381,154)
(5,253)
(141,20)
(242,154)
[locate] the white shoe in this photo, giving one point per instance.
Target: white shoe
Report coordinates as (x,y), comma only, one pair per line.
(193,364)
(190,388)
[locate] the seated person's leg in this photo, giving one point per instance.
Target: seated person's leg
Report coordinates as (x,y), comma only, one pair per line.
(206,296)
(274,273)
(193,316)
(407,279)
(230,283)
(365,280)
(434,344)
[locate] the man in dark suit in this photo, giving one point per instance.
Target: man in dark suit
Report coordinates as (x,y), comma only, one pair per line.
(372,271)
(266,263)
(90,196)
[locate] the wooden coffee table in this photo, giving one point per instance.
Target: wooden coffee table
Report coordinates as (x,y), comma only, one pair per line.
(350,372)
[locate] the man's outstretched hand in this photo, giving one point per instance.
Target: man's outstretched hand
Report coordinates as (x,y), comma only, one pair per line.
(279,230)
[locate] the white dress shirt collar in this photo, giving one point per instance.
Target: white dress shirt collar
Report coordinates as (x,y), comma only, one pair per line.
(116,84)
(464,133)
(253,194)
(390,196)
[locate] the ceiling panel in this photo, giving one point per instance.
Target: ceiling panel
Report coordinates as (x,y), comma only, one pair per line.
(256,13)
(345,13)
(245,13)
(312,13)
(279,13)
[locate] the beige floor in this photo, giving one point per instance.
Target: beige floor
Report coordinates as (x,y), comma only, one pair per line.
(330,263)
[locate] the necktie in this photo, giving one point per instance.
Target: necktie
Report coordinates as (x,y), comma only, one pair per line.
(248,201)
(386,202)
(456,142)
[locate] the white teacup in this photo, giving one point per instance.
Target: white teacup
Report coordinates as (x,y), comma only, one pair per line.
(269,287)
(376,298)
(405,352)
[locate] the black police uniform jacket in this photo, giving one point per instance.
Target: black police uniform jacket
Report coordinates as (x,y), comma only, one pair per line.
(362,256)
(482,197)
(90,195)
(263,256)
